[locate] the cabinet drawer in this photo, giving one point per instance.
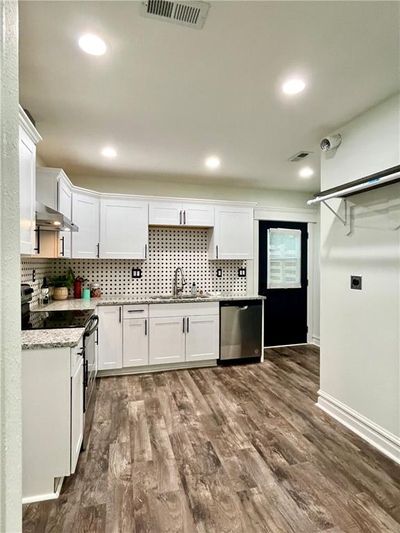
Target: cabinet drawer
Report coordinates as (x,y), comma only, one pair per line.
(76,356)
(189,309)
(135,311)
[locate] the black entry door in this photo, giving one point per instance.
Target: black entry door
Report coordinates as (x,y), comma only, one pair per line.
(283,280)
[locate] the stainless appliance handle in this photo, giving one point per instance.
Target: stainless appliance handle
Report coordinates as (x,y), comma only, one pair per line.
(89,332)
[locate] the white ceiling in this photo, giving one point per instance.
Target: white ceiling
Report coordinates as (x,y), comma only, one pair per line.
(167,96)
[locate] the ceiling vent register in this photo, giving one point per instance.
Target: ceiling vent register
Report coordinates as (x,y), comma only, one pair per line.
(299,156)
(192,14)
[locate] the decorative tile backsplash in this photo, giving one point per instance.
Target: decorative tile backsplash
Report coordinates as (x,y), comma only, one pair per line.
(169,248)
(35,268)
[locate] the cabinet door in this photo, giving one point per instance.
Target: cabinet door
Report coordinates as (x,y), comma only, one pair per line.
(65,207)
(198,215)
(167,340)
(85,214)
(76,414)
(110,337)
(123,229)
(27,166)
(165,214)
(233,233)
(135,346)
(202,338)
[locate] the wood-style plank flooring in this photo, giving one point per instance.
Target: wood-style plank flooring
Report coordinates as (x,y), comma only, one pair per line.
(227,449)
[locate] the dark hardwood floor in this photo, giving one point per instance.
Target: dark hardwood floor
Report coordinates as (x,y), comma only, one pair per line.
(232,449)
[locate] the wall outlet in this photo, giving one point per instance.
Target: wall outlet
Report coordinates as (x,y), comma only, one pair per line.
(136,273)
(356,283)
(219,272)
(242,272)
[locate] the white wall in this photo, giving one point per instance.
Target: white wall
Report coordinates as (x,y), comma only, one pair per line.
(360,334)
(10,341)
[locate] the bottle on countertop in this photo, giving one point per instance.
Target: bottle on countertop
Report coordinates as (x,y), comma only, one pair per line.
(44,292)
(194,289)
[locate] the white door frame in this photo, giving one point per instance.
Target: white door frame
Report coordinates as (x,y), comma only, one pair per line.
(308,215)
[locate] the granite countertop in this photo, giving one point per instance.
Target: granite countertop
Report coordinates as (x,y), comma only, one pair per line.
(69,337)
(124,299)
(51,338)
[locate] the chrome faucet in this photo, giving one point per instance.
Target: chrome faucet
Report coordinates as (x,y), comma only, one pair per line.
(178,290)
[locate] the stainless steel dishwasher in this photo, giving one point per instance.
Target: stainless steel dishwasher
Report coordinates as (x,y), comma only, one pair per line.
(241,329)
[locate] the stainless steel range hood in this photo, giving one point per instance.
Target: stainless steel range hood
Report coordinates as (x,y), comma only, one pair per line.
(52,220)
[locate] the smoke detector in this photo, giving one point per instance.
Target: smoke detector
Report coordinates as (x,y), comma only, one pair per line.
(191,14)
(299,156)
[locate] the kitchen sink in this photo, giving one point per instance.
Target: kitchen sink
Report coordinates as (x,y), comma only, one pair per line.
(179,297)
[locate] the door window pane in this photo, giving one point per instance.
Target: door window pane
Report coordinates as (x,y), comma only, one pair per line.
(284,258)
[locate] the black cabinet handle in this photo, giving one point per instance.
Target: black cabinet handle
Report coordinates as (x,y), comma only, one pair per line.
(184,217)
(183,325)
(37,249)
(62,253)
(217,251)
(98,249)
(145,251)
(145,327)
(180,217)
(187,325)
(120,314)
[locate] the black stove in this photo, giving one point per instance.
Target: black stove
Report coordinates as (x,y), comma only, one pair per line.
(56,319)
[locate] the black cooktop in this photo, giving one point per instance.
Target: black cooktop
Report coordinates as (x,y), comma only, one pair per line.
(56,319)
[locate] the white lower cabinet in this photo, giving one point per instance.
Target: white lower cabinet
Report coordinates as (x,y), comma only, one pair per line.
(159,334)
(135,344)
(167,340)
(76,414)
(202,338)
(110,337)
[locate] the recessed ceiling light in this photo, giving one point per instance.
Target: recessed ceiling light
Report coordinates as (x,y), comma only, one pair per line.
(91,44)
(109,151)
(306,172)
(213,162)
(293,86)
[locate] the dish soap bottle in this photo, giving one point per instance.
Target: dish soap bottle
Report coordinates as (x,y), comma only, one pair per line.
(194,289)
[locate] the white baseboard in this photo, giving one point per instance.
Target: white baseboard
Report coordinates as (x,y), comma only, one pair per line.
(378,437)
(58,482)
(315,340)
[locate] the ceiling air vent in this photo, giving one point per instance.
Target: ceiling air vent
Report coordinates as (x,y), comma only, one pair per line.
(299,156)
(192,14)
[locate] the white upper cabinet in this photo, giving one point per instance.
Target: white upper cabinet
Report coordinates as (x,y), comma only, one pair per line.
(85,214)
(165,214)
(64,202)
(28,138)
(198,215)
(232,237)
(123,228)
(181,214)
